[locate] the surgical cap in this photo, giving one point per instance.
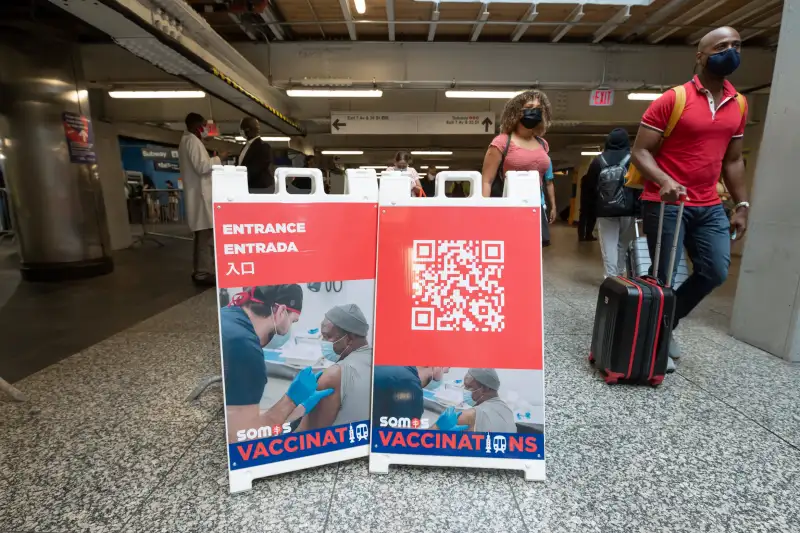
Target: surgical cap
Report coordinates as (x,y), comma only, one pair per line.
(349,318)
(486,377)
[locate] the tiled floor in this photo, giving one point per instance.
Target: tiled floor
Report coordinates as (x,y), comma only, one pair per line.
(42,323)
(108,444)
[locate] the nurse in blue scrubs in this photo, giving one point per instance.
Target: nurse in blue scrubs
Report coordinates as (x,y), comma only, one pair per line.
(258,317)
(398,390)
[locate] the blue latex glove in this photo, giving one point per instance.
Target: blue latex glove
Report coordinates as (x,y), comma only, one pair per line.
(314,399)
(448,421)
(303,386)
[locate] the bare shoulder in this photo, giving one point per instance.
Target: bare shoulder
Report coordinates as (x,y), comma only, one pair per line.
(331,378)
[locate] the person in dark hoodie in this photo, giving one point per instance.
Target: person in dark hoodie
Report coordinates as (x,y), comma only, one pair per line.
(615,232)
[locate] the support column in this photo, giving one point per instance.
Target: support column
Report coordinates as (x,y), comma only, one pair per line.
(766,311)
(59,212)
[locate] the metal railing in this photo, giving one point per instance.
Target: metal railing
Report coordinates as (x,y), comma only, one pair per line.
(161,213)
(6,221)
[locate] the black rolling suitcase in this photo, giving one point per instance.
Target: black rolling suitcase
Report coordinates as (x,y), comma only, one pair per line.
(633,321)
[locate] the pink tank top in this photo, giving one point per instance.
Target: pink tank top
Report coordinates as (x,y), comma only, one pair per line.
(521,159)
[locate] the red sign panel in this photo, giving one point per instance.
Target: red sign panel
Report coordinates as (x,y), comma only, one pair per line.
(274,243)
(601,97)
(459,287)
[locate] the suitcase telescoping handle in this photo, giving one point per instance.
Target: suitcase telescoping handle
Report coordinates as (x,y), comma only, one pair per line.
(675,240)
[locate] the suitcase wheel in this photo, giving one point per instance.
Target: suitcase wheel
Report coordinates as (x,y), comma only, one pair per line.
(611,380)
(656,381)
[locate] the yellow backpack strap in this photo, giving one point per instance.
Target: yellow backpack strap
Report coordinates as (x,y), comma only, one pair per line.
(677,109)
(742,101)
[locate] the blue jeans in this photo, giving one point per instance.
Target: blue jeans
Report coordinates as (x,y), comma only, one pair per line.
(705,233)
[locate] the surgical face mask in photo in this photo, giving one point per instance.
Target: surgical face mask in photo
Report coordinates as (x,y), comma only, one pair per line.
(468,398)
(531,118)
(277,341)
(433,384)
(724,63)
(328,352)
(203,133)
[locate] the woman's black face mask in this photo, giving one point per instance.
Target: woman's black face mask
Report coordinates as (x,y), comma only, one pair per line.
(531,118)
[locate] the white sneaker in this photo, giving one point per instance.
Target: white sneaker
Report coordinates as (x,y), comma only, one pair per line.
(674,349)
(670,366)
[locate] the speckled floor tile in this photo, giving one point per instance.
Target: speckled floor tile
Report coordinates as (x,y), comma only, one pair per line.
(195,314)
(761,386)
(130,375)
(702,477)
(575,393)
(421,500)
(88,478)
(194,496)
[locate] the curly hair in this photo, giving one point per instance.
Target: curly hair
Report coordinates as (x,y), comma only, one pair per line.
(512,112)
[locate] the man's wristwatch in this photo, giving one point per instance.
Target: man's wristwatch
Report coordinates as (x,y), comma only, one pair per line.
(741,204)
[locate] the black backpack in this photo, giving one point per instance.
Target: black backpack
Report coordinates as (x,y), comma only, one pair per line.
(613,198)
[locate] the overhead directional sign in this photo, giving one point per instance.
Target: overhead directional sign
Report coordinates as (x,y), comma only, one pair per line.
(413,123)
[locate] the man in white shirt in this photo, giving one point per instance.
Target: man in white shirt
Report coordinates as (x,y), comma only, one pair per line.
(195,167)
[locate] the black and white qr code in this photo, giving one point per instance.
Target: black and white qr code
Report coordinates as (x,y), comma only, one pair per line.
(458,285)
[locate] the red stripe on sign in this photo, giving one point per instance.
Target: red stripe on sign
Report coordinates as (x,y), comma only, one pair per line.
(268,244)
(459,286)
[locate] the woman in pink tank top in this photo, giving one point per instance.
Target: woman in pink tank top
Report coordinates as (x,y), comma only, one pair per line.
(521,147)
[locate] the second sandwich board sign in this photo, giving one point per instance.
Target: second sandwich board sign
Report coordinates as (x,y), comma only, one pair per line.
(296,335)
(458,376)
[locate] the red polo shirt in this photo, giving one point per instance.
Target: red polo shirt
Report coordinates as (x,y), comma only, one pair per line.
(692,155)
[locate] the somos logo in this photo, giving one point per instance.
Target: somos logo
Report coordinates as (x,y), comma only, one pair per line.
(413,423)
(263,432)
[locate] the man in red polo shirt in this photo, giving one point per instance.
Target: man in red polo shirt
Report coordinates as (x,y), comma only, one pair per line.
(706,142)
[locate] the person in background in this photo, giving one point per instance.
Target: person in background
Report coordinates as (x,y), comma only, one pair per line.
(195,165)
(172,199)
(706,142)
(521,147)
(487,413)
(428,183)
(587,217)
(402,163)
(344,342)
(258,317)
(398,390)
(256,155)
(616,233)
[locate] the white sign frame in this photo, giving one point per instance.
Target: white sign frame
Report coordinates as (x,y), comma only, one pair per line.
(521,189)
(229,185)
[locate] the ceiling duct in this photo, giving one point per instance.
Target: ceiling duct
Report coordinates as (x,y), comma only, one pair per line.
(172,36)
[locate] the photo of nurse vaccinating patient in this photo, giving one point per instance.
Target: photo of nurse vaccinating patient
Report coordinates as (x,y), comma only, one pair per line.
(296,357)
(459,399)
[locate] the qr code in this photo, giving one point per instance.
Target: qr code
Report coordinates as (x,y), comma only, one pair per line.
(458,286)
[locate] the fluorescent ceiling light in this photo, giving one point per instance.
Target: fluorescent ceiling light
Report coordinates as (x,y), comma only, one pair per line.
(342,152)
(423,167)
(591,153)
(505,95)
(643,96)
(425,152)
(334,93)
(156,94)
(375,167)
(276,139)
(441,168)
(361,6)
